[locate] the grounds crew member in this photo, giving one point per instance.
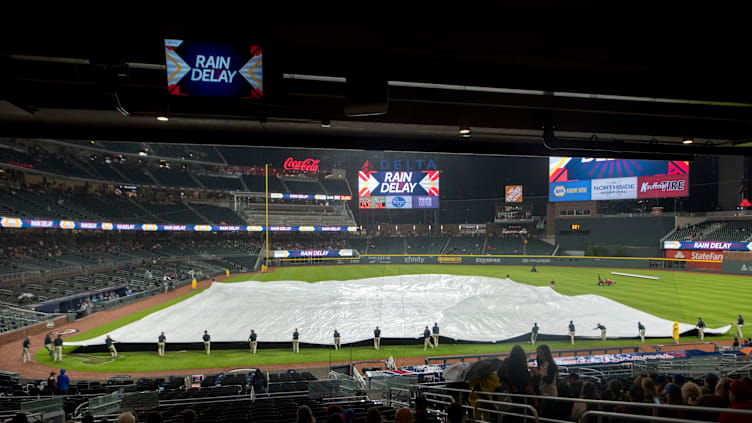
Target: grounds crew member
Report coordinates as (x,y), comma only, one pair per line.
(161,344)
(49,345)
(336,340)
(675,332)
(700,329)
(603,331)
(296,341)
(641,331)
(207,342)
(252,341)
(426,338)
(739,326)
(59,348)
(27,349)
(435,335)
(376,338)
(110,346)
(571,332)
(194,283)
(534,333)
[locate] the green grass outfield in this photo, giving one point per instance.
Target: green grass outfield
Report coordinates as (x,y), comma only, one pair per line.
(679,296)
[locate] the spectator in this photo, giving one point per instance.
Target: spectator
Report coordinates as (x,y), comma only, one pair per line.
(154,417)
(374,415)
(673,397)
(455,413)
(403,415)
(740,395)
(690,392)
(189,416)
(335,414)
(51,383)
(88,418)
(421,411)
(575,385)
(589,391)
(708,384)
(722,390)
(126,417)
(547,373)
(305,415)
(649,391)
(63,382)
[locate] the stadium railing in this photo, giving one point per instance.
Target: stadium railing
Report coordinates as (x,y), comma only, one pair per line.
(558,353)
(653,408)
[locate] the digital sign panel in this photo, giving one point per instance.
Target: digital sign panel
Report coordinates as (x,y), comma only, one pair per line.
(584,179)
(214,70)
(398,189)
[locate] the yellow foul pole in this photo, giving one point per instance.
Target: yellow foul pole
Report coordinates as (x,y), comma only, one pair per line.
(266,169)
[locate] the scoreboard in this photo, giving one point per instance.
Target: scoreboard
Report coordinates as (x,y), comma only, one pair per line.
(398,189)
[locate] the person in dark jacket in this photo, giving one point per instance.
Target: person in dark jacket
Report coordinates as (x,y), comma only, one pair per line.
(50,345)
(207,342)
(700,329)
(58,348)
(27,349)
(515,377)
(51,383)
(376,338)
(296,341)
(63,382)
(426,338)
(571,332)
(534,333)
(547,374)
(336,340)
(435,334)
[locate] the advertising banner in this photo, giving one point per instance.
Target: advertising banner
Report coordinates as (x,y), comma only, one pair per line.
(309,196)
(513,193)
(707,245)
(662,186)
(695,255)
(569,191)
(312,253)
(398,190)
(613,188)
(213,70)
(18,223)
(618,179)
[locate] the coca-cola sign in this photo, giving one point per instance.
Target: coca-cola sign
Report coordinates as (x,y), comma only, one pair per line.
(306,165)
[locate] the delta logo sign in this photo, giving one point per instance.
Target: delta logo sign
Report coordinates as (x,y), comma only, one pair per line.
(213,70)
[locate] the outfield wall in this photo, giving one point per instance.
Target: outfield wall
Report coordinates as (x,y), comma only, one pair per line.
(621,262)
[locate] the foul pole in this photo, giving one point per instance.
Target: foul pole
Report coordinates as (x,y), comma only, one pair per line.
(266,227)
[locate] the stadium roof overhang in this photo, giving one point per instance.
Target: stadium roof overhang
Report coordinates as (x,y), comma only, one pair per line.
(604,89)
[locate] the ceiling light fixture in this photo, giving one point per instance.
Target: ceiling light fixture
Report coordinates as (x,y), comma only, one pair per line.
(163,118)
(687,141)
(465,131)
(326,123)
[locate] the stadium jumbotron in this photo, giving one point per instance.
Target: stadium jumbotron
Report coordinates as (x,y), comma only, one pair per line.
(248,231)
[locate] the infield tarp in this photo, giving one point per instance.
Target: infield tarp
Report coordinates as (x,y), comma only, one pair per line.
(469,308)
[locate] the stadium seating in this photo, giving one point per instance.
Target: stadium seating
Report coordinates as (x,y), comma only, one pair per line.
(303,186)
(336,186)
(426,244)
(12,318)
(465,245)
(257,183)
(387,245)
(173,213)
(217,215)
(174,177)
(510,245)
(714,230)
(228,183)
(336,214)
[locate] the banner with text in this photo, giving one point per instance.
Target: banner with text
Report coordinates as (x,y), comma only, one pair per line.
(398,190)
(707,245)
(312,253)
(19,223)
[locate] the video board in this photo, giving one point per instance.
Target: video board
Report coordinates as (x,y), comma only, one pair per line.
(214,70)
(398,189)
(585,179)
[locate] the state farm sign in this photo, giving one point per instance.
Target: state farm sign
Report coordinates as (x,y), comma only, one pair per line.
(695,255)
(306,165)
(661,186)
